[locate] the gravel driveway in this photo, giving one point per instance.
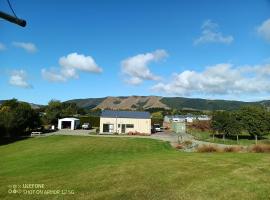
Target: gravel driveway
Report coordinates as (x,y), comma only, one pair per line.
(171,137)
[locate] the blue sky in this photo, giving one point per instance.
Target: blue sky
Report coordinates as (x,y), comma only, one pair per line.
(79,49)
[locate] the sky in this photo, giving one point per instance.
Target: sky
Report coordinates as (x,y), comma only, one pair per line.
(186,48)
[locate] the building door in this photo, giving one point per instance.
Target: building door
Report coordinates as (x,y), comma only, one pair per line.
(66,125)
(105,128)
(123,128)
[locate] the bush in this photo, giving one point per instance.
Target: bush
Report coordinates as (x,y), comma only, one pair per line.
(187,143)
(208,149)
(137,133)
(201,125)
(233,149)
(260,148)
(93,120)
(179,146)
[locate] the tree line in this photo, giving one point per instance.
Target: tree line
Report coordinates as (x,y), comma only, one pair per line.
(254,120)
(19,118)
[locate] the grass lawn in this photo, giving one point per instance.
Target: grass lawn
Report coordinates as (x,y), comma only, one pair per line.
(243,140)
(130,168)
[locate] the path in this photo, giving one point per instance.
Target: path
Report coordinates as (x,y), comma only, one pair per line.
(173,138)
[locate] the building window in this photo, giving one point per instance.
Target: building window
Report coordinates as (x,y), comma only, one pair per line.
(119,125)
(129,125)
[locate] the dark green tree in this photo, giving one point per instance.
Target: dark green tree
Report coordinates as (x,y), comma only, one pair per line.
(226,123)
(255,120)
(53,112)
(17,118)
(56,110)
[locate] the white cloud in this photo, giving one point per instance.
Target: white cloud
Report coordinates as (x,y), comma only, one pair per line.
(136,67)
(53,75)
(69,67)
(264,30)
(18,78)
(29,47)
(80,62)
(211,34)
(2,47)
(220,79)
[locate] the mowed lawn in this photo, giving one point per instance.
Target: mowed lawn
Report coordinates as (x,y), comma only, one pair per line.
(130,168)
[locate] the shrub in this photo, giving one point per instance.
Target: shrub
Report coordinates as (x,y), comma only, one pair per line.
(208,149)
(93,120)
(137,133)
(233,149)
(260,148)
(179,146)
(201,125)
(187,143)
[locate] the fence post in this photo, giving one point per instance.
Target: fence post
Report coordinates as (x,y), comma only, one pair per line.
(256,139)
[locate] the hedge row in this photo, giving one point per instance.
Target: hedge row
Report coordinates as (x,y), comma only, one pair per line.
(94,121)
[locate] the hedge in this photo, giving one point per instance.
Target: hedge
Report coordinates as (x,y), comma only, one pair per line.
(94,121)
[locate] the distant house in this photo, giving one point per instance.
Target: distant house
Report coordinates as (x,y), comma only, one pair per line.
(203,118)
(189,118)
(68,123)
(123,122)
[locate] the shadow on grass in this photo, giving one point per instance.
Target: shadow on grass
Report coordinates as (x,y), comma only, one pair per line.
(9,140)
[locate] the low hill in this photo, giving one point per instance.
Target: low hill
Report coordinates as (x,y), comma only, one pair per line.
(34,106)
(87,103)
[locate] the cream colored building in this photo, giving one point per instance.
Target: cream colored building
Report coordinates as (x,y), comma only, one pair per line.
(123,122)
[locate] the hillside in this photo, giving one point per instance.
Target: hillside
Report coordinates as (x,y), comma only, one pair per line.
(147,102)
(132,102)
(87,103)
(34,106)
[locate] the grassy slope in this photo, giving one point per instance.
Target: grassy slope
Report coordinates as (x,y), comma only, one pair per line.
(129,168)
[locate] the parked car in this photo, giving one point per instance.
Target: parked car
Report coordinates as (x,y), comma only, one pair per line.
(157,127)
(153,130)
(86,126)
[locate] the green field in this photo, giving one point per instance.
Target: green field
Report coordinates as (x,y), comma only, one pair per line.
(130,168)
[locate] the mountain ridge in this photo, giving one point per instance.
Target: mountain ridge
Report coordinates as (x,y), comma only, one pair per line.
(147,102)
(136,102)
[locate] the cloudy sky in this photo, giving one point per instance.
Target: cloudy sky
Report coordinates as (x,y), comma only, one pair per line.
(78,49)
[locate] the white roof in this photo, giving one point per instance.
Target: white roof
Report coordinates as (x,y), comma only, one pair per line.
(69,119)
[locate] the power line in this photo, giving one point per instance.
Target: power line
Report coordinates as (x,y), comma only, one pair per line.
(10,6)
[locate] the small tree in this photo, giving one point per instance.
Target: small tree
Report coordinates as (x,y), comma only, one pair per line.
(255,120)
(234,126)
(226,123)
(53,112)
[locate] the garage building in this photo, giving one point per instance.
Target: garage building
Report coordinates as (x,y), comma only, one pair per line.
(68,123)
(123,122)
